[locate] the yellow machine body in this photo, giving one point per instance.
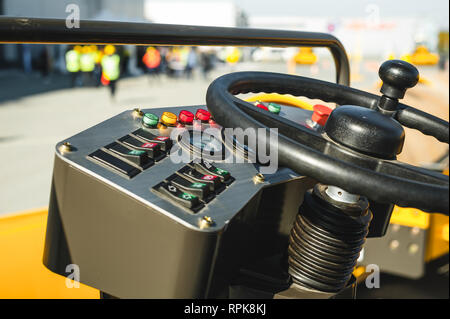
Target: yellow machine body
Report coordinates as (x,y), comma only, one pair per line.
(305,55)
(22,273)
(421,56)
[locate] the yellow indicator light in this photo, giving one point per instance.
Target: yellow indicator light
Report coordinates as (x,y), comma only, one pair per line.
(169,118)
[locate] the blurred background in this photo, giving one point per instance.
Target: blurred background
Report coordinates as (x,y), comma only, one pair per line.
(50,92)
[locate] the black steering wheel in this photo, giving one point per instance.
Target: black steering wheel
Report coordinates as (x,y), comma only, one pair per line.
(358,146)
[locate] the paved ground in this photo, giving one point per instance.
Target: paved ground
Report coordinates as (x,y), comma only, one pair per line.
(35,114)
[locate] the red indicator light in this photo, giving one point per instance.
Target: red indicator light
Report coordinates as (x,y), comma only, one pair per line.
(321,114)
(262,106)
(202,115)
(149,145)
(186,117)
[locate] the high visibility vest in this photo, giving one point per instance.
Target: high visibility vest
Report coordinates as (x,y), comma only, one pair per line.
(98,56)
(72,61)
(87,62)
(111,66)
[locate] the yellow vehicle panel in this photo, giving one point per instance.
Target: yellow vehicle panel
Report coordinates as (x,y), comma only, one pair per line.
(22,272)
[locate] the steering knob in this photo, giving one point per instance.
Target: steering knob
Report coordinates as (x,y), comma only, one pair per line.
(397,77)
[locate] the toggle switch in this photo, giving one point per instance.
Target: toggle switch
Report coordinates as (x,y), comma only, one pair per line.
(207,168)
(175,194)
(193,175)
(198,189)
(164,142)
(153,150)
(136,157)
(113,163)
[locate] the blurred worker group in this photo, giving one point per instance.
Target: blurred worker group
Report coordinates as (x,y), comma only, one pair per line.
(93,65)
(105,65)
(177,61)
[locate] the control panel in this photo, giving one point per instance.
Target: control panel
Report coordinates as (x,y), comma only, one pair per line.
(136,191)
(132,151)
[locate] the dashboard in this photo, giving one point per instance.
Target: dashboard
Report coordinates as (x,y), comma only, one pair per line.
(143,221)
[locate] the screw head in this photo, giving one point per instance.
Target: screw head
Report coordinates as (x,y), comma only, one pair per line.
(206,222)
(258,178)
(66,147)
(137,112)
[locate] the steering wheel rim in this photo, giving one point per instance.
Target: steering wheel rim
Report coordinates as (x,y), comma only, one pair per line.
(412,187)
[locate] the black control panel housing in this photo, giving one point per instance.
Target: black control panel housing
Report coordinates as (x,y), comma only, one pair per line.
(139,224)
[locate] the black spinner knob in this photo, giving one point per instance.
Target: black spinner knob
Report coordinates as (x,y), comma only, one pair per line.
(397,77)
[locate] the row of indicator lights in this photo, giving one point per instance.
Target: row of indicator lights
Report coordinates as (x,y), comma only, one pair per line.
(320,112)
(319,116)
(271,107)
(187,118)
(170,119)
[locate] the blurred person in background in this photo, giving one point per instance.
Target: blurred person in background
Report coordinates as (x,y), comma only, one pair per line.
(87,64)
(26,58)
(124,55)
(191,62)
(163,51)
(152,61)
(73,64)
(110,68)
(206,63)
(176,62)
(44,63)
(97,74)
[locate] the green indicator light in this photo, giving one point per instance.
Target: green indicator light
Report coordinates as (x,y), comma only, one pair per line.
(274,108)
(188,196)
(150,119)
(220,171)
(136,152)
(198,185)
